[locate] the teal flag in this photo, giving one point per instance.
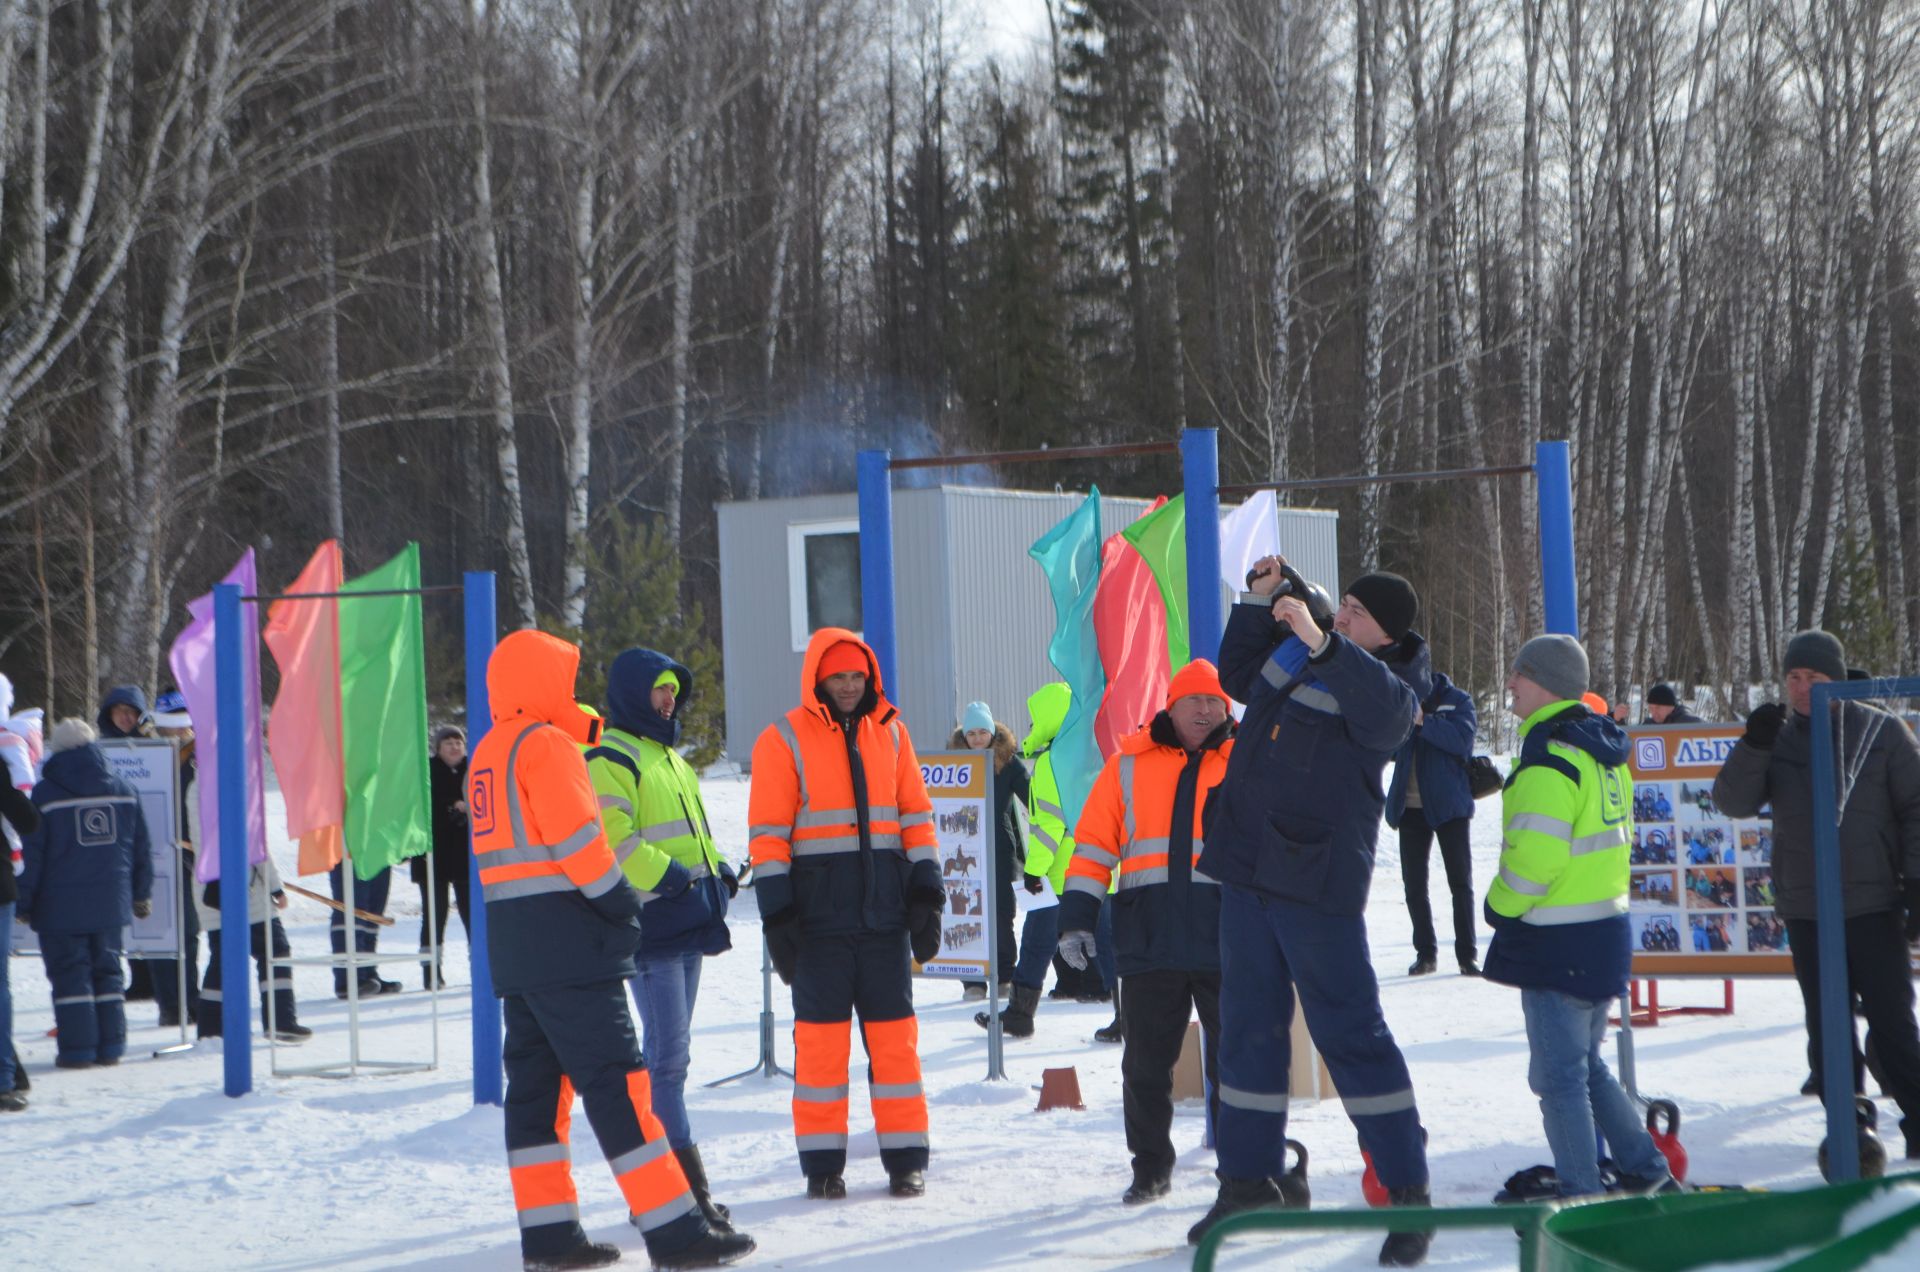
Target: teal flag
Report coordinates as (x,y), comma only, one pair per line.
(1070,555)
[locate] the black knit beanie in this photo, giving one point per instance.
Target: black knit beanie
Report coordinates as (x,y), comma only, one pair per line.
(1390,599)
(1817,651)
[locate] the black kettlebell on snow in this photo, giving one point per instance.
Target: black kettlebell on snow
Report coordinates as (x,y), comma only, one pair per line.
(1294,1193)
(1873,1154)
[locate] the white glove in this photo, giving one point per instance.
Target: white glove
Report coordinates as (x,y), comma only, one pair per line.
(1077,949)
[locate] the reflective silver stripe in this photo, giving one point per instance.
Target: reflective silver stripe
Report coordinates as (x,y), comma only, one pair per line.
(885,839)
(628,1162)
(514,889)
(516,822)
(667,829)
(814,818)
(902,1139)
(1096,854)
(1050,808)
(1378,1105)
(578,839)
(1080,883)
(627,847)
(515,855)
(1040,833)
(539,1155)
(768,869)
(810,1143)
(1521,884)
(1253,1101)
(915,819)
(89,802)
(1555,915)
(109,998)
(1126,791)
(604,884)
(820,1094)
(1613,837)
(1276,675)
(1141,847)
(784,727)
(541,1216)
(823,847)
(1141,878)
(882,813)
(1540,823)
(895,1091)
(209,994)
(1317,699)
(661,1216)
(620,802)
(924,853)
(774,832)
(69,1001)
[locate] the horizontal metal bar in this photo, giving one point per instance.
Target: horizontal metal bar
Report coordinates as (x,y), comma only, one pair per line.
(1374,479)
(1038,456)
(340,960)
(349,596)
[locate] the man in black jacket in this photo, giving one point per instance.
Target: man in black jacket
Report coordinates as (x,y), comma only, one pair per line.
(1664,707)
(1879,851)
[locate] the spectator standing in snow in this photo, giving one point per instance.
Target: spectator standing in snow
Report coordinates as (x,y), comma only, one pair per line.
(124,714)
(23,817)
(1664,707)
(562,924)
(1879,853)
(1141,829)
(657,823)
(1559,914)
(1330,699)
(171,721)
(979,732)
(264,932)
(1050,848)
(447,784)
(87,874)
(369,895)
(847,876)
(1431,798)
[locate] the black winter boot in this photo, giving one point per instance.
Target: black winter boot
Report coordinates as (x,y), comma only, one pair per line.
(906,1183)
(711,1249)
(826,1188)
(589,1254)
(1407,1249)
(1237,1196)
(1017,1020)
(696,1173)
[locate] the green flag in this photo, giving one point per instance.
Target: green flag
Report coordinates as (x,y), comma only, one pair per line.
(383,716)
(1160,538)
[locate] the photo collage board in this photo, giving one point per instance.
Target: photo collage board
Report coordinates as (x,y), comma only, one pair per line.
(1701,894)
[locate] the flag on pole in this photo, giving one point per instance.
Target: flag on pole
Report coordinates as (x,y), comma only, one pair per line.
(1160,537)
(191,659)
(304,733)
(1069,554)
(1131,620)
(1248,533)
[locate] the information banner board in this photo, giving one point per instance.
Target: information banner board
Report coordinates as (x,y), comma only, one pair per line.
(1701,895)
(960,783)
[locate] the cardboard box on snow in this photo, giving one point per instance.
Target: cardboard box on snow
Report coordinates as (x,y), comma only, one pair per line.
(1307,1077)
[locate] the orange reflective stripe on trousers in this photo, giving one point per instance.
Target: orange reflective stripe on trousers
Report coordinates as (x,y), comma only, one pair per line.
(821,1053)
(899,1098)
(650,1176)
(542,1175)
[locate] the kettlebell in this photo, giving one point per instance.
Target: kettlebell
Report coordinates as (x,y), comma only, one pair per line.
(1873,1154)
(1668,1141)
(1370,1186)
(1294,1192)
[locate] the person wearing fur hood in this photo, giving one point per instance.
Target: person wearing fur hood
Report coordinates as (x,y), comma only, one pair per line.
(979,731)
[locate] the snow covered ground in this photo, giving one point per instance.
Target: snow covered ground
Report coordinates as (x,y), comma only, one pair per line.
(149,1166)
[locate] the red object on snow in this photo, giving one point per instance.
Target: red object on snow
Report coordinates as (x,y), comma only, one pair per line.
(1668,1140)
(1370,1186)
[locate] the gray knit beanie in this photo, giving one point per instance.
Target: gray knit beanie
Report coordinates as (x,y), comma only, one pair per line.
(1817,651)
(1556,663)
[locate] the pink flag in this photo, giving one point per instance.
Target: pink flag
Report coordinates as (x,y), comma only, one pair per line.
(303,733)
(1130,618)
(193,670)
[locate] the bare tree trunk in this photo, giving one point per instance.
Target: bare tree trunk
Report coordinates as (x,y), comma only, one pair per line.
(330,315)
(684,174)
(1369,147)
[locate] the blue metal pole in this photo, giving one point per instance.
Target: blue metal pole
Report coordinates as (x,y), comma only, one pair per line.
(482,633)
(876,566)
(1836,1003)
(1554,474)
(1200,470)
(236,1009)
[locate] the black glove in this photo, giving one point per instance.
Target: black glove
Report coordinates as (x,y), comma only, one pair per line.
(923,932)
(142,909)
(1036,885)
(783,945)
(1764,724)
(730,878)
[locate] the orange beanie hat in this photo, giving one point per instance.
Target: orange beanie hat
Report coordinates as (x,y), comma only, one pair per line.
(844,656)
(1197,676)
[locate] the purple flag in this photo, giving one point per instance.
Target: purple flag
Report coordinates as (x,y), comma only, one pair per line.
(192,661)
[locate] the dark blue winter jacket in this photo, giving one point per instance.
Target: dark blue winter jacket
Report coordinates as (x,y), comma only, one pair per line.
(1299,811)
(123,696)
(90,860)
(1437,754)
(1587,960)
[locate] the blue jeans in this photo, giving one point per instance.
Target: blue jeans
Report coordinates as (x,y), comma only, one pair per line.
(1039,936)
(1577,1091)
(664,989)
(6,994)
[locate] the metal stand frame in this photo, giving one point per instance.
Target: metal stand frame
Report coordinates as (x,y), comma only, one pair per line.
(180,886)
(767,1066)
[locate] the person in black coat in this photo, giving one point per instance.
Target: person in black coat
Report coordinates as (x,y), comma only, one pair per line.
(448,769)
(1664,707)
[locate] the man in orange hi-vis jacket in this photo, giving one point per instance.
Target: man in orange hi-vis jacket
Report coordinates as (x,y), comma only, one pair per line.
(562,923)
(844,868)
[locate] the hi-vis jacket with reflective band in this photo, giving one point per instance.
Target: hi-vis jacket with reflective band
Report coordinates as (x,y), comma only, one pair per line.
(1050,846)
(650,805)
(1559,904)
(1166,913)
(840,854)
(558,910)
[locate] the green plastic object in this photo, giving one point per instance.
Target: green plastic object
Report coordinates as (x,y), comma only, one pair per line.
(1526,1221)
